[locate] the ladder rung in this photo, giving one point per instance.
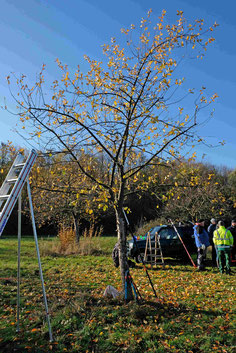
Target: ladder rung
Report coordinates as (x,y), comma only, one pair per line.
(20,165)
(12,180)
(4,197)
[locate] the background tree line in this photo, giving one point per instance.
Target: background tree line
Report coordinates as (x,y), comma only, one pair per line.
(183,190)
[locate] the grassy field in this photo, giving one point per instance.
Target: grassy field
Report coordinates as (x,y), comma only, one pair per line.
(194,312)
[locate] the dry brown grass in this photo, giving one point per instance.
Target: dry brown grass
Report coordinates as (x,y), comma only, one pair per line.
(66,244)
(93,231)
(67,239)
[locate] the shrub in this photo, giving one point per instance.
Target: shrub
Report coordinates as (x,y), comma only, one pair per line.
(67,239)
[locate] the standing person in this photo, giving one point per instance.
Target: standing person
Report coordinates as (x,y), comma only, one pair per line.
(202,242)
(232,229)
(211,229)
(223,240)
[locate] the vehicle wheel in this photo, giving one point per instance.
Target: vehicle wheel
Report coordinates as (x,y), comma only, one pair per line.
(139,258)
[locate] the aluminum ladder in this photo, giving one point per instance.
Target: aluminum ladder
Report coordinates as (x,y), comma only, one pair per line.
(10,192)
(153,252)
(13,185)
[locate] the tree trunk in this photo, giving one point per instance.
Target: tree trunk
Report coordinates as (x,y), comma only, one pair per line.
(76,227)
(123,252)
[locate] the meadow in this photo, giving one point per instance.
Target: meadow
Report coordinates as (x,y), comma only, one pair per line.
(194,311)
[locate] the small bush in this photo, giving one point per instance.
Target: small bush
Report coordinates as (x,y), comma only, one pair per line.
(67,239)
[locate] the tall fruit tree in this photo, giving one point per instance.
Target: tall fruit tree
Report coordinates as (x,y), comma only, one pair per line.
(124,110)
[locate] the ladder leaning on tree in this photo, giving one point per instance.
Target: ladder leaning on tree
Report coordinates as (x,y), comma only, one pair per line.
(10,192)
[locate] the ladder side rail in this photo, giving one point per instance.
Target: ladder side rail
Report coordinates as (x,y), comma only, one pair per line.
(156,249)
(10,203)
(18,265)
(39,262)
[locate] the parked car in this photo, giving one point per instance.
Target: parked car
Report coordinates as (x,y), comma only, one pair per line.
(171,245)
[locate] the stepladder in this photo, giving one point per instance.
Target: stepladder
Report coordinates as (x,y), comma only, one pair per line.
(10,193)
(153,252)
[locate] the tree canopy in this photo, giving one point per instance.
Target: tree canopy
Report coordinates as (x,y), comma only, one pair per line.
(126,109)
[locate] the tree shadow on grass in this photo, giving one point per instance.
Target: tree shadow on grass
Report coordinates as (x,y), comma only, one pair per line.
(168,309)
(180,268)
(85,308)
(168,266)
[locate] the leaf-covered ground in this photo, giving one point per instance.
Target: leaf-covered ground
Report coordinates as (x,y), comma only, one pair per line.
(194,312)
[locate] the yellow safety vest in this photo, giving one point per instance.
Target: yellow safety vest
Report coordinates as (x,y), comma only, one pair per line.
(223,237)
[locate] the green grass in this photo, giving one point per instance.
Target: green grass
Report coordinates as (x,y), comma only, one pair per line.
(194,312)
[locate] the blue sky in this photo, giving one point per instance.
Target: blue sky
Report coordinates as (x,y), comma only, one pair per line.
(39,31)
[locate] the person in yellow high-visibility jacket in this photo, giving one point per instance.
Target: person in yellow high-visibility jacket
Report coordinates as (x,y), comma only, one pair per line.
(223,240)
